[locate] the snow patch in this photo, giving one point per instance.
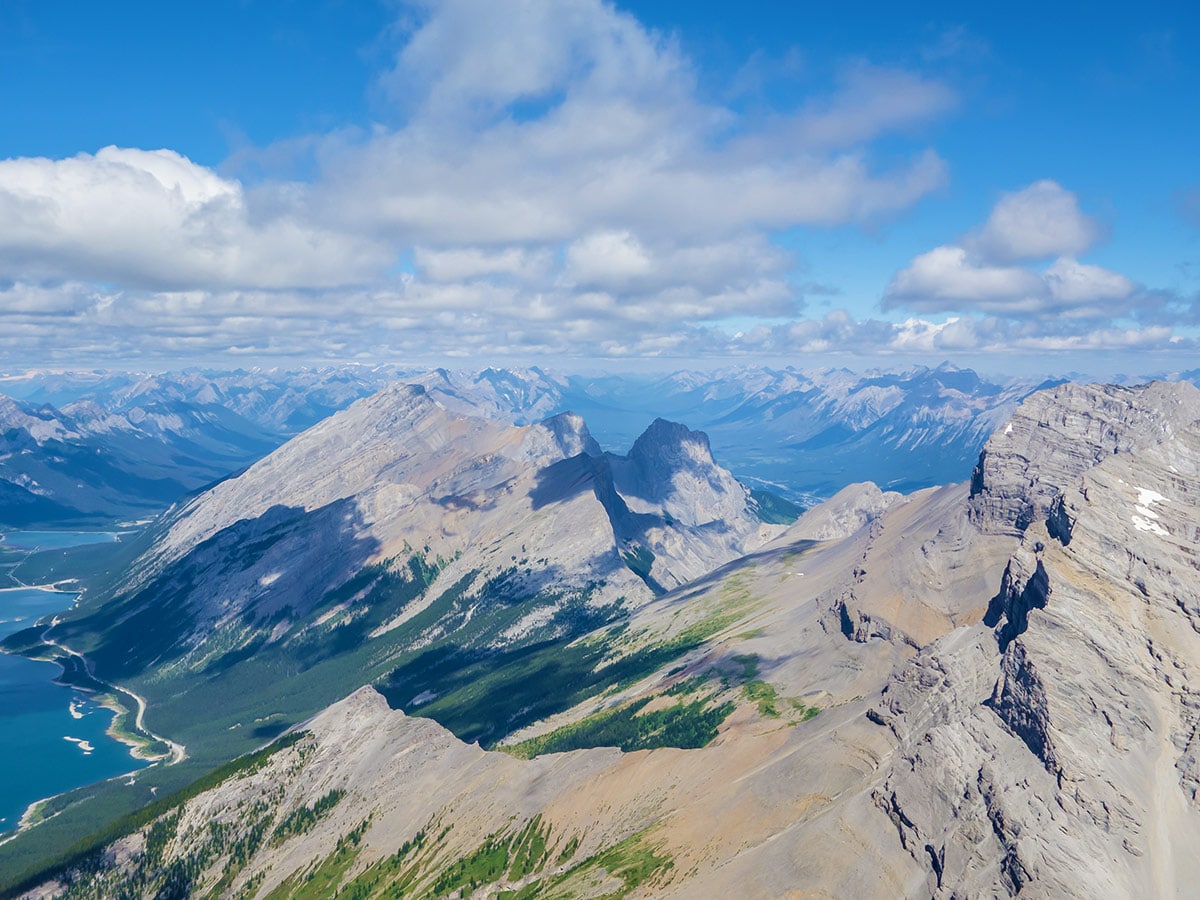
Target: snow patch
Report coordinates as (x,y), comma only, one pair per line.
(270,579)
(1145,518)
(1008,428)
(1148,497)
(1153,527)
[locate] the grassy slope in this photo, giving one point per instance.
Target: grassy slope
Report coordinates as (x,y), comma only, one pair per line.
(479,693)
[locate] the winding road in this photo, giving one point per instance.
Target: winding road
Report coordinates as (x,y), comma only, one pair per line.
(177,753)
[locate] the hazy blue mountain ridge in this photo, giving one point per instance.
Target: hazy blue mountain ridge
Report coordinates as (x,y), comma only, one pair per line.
(801,434)
(96,447)
(85,464)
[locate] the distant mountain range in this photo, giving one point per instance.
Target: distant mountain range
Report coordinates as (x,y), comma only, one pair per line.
(807,434)
(85,447)
(279,401)
(94,448)
(86,464)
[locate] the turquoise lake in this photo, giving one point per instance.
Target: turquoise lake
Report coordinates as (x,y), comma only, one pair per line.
(46,729)
(55,540)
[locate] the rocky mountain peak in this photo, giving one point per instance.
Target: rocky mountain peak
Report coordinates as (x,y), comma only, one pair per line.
(572,435)
(670,480)
(667,448)
(41,423)
(851,508)
(1058,434)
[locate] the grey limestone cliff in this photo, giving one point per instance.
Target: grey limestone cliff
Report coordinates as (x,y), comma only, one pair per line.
(1051,750)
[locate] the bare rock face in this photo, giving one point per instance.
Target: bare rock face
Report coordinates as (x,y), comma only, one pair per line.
(570,435)
(851,508)
(681,512)
(1051,750)
(671,471)
(1058,434)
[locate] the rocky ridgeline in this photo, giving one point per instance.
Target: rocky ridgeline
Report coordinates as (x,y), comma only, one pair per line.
(844,513)
(1053,748)
(1058,434)
(519,533)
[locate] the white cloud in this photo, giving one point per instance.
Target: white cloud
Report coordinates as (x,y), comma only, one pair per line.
(552,169)
(141,217)
(979,274)
(421,321)
(870,101)
(1069,282)
(467,57)
(618,262)
(839,333)
(607,258)
(465,263)
(555,158)
(582,121)
(946,278)
(1039,221)
(560,186)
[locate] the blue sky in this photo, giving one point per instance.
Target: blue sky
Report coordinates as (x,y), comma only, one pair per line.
(1010,186)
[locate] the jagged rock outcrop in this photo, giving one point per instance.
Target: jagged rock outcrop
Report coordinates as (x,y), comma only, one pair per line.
(1051,749)
(1058,434)
(683,512)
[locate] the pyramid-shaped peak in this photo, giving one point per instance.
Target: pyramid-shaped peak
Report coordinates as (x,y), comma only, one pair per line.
(671,442)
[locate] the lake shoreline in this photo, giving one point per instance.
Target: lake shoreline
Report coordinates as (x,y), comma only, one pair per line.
(128,708)
(76,672)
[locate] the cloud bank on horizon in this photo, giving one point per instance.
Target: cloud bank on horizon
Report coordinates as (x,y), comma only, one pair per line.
(558,181)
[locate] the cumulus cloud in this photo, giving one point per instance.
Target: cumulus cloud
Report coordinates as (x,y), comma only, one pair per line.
(840,333)
(466,263)
(154,218)
(619,262)
(583,121)
(1039,221)
(548,179)
(982,274)
(452,66)
(608,258)
(1071,282)
(946,278)
(545,171)
(419,321)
